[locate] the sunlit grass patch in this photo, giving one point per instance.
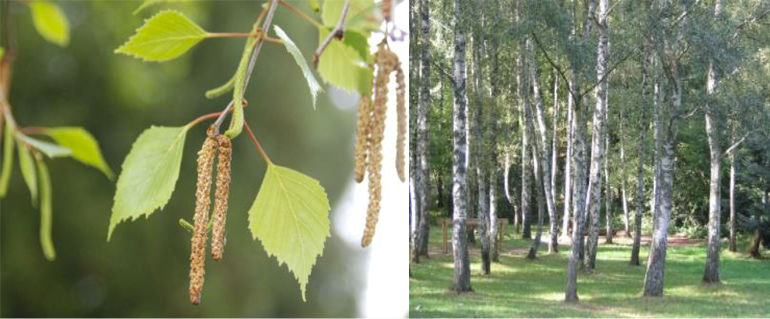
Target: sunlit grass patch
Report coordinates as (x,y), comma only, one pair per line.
(518,287)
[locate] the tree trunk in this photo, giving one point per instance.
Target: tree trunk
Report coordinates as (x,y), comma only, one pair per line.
(539,182)
(568,184)
(462,272)
(579,165)
(711,271)
(509,193)
(542,155)
(482,213)
(578,204)
(473,188)
(640,170)
(423,173)
(493,229)
(607,188)
(653,281)
(623,197)
(754,249)
(658,91)
(597,139)
(553,246)
(733,172)
(526,171)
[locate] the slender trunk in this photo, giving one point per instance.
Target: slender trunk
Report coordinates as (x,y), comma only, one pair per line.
(653,281)
(640,171)
(568,184)
(733,172)
(658,91)
(479,150)
(542,156)
(541,199)
(414,212)
(493,229)
(553,246)
(509,193)
(423,173)
(439,190)
(754,250)
(711,271)
(597,139)
(623,197)
(462,272)
(578,204)
(473,188)
(526,171)
(579,165)
(607,188)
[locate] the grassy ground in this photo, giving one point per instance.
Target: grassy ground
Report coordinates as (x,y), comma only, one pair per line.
(518,287)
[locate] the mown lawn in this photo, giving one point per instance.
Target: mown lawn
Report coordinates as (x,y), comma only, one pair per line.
(518,287)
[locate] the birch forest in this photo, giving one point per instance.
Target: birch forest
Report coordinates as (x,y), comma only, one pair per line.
(589,158)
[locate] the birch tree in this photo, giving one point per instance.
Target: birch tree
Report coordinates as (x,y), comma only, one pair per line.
(462,272)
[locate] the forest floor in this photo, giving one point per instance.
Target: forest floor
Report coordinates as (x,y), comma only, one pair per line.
(518,287)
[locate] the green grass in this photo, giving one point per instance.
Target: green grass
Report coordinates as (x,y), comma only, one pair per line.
(518,287)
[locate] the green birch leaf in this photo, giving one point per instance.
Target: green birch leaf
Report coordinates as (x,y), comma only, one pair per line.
(356,19)
(360,43)
(84,146)
(5,175)
(163,37)
(290,216)
(342,65)
(292,48)
(50,22)
(2,53)
(49,149)
(27,165)
(149,174)
(45,210)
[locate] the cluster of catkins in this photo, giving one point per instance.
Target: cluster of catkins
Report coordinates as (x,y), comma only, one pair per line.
(202,202)
(371,129)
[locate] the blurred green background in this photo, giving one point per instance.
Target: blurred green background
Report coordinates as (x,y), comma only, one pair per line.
(143,271)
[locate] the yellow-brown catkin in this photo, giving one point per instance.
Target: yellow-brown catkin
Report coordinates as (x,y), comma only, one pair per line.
(401,117)
(384,61)
(362,137)
(387,7)
(220,197)
(202,203)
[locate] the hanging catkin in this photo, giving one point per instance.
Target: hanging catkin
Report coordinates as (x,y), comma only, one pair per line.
(202,203)
(220,197)
(362,137)
(401,117)
(384,61)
